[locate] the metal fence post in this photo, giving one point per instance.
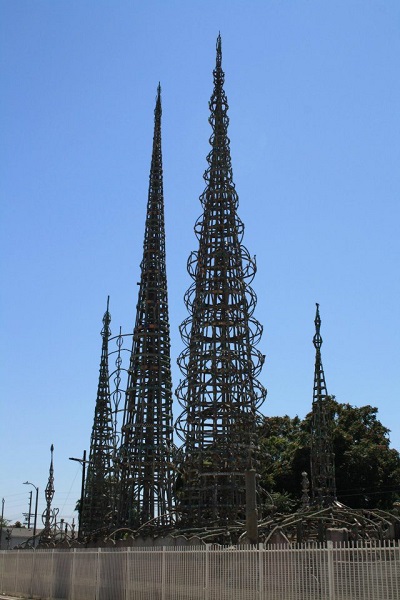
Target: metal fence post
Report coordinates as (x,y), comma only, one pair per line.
(127,572)
(98,573)
(163,574)
(331,581)
(51,583)
(260,570)
(32,573)
(73,577)
(16,590)
(207,573)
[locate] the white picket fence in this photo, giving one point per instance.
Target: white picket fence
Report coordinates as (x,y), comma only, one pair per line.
(327,572)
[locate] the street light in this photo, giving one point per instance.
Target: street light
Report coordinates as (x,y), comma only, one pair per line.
(36,507)
(2,520)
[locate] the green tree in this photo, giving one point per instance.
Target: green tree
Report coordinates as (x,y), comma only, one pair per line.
(4,522)
(285,453)
(367,469)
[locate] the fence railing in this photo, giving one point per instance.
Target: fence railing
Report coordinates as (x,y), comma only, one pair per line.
(326,572)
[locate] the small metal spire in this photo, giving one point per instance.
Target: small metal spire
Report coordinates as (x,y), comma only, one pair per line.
(96,512)
(317,339)
(49,494)
(322,457)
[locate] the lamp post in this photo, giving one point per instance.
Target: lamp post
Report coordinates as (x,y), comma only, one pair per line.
(2,518)
(36,507)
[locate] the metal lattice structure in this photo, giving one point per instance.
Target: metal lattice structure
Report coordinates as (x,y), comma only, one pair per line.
(324,518)
(96,512)
(146,451)
(220,393)
(48,514)
(323,486)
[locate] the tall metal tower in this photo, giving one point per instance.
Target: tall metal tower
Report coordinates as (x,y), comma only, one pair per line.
(323,486)
(146,453)
(219,393)
(96,512)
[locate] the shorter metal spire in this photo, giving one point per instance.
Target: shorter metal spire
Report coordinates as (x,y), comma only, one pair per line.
(146,451)
(49,494)
(96,509)
(49,491)
(322,456)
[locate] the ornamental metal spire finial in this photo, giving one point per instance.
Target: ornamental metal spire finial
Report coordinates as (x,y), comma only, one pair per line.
(146,464)
(323,485)
(96,512)
(48,516)
(220,393)
(219,51)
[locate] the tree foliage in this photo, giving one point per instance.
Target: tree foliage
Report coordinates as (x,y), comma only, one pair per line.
(367,469)
(4,522)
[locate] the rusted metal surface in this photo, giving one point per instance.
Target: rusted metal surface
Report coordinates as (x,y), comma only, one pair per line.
(145,463)
(96,512)
(220,393)
(48,516)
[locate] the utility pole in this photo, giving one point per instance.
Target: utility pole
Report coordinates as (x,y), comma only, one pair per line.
(28,514)
(83,462)
(36,507)
(2,519)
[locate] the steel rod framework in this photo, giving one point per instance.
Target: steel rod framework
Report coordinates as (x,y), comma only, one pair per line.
(323,486)
(48,516)
(146,452)
(219,393)
(96,512)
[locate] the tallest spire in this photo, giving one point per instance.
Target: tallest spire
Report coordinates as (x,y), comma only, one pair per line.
(219,393)
(219,175)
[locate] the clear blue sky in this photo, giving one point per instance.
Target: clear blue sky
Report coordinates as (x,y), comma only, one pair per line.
(314,98)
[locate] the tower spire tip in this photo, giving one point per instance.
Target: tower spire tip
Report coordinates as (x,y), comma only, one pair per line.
(219,49)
